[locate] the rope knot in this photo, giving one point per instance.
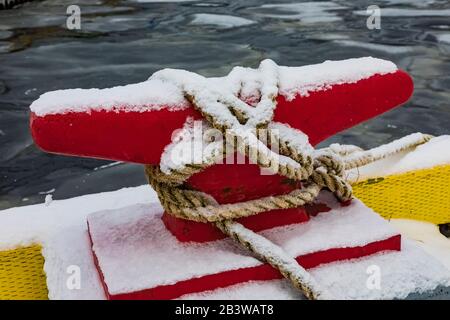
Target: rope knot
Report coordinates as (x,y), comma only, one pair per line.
(256,135)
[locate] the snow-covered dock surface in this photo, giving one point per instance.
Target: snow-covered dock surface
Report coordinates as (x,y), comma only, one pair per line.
(61,228)
(155,94)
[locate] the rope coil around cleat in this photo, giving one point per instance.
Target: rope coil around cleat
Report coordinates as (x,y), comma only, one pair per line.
(248,125)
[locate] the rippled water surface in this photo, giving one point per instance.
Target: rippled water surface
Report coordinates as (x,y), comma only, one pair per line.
(122,42)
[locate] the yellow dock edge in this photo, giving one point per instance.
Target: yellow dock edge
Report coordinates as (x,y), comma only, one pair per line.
(420,195)
(22,274)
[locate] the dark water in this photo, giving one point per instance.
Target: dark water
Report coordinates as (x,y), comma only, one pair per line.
(122,42)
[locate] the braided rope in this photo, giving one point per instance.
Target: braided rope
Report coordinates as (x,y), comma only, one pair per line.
(276,257)
(233,118)
(359,159)
(199,206)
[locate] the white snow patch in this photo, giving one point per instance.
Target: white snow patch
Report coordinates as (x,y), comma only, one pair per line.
(109,165)
(297,139)
(408,271)
(435,152)
(399,12)
(220,20)
(139,97)
(48,199)
(252,290)
(48,191)
(192,145)
(427,236)
(302,80)
(156,94)
(306,12)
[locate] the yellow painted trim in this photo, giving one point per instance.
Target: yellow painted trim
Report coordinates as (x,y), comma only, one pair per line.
(419,195)
(22,274)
